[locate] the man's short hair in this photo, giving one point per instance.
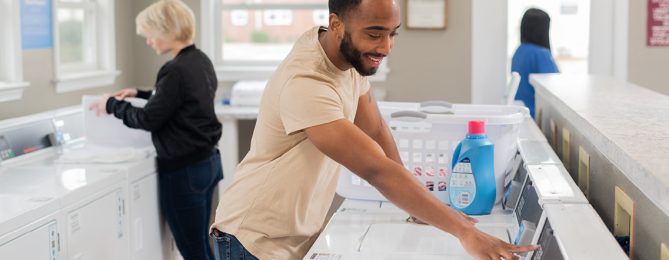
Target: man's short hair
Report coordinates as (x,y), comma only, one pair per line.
(167,18)
(342,7)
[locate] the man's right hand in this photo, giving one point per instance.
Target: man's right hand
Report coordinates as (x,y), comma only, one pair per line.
(124,93)
(484,246)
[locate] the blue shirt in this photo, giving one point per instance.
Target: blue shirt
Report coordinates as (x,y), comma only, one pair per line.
(531,58)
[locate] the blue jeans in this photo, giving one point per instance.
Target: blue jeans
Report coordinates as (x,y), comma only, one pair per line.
(185,202)
(227,247)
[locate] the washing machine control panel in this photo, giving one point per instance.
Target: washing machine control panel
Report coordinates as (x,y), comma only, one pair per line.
(24,139)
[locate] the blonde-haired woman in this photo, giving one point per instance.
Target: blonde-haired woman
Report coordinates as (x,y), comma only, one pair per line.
(180,115)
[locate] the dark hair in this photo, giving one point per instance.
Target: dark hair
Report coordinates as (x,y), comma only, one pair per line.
(534,28)
(342,7)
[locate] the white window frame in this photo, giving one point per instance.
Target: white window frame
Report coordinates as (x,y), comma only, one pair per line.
(99,67)
(11,61)
(211,37)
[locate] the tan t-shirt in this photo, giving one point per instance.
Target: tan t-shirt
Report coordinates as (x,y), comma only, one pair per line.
(283,188)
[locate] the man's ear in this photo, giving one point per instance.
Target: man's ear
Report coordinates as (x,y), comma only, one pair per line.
(336,26)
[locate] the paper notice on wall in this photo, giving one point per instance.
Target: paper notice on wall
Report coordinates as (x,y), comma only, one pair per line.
(36,24)
(426,14)
(657,27)
(108,130)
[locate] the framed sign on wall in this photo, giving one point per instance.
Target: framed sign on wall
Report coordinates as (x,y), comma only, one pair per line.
(657,26)
(426,14)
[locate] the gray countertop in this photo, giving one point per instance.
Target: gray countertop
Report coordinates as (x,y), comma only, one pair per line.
(627,123)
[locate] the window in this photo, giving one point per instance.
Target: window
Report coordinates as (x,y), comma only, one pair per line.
(84,44)
(246,40)
(278,17)
(569,31)
(11,67)
(76,36)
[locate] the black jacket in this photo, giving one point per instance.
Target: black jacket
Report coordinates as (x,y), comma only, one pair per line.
(180,113)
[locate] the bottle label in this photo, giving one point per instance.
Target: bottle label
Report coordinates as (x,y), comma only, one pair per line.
(463,186)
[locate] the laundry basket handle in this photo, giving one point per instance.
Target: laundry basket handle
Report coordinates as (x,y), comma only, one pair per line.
(409,114)
(436,103)
(436,107)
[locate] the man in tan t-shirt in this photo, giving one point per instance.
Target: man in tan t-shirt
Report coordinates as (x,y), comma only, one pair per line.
(316,113)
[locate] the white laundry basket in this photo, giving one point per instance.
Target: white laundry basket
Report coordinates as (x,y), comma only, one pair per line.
(426,135)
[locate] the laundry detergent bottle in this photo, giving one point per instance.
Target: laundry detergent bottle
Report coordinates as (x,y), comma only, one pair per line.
(471,185)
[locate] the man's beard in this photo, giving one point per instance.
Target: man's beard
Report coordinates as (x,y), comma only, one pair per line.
(354,56)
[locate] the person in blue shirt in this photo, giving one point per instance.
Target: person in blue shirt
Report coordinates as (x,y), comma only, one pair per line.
(534,53)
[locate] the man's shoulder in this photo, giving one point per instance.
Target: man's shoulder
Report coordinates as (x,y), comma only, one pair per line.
(304,69)
(301,81)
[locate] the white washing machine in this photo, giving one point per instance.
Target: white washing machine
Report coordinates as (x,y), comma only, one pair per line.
(148,238)
(379,230)
(97,225)
(90,212)
(545,213)
(37,240)
(541,192)
(29,225)
(146,230)
(30,219)
(140,232)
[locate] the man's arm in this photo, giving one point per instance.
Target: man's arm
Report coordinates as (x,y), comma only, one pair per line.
(369,120)
(347,144)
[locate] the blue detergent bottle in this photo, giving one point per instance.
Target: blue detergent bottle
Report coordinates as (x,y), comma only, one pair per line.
(471,185)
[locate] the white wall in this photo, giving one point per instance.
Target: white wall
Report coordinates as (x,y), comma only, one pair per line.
(608,38)
(489,60)
(432,64)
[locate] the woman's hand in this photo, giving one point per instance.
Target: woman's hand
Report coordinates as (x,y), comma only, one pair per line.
(100,106)
(124,93)
(484,246)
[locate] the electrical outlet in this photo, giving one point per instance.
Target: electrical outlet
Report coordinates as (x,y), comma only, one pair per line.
(566,144)
(664,252)
(583,180)
(553,136)
(623,219)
